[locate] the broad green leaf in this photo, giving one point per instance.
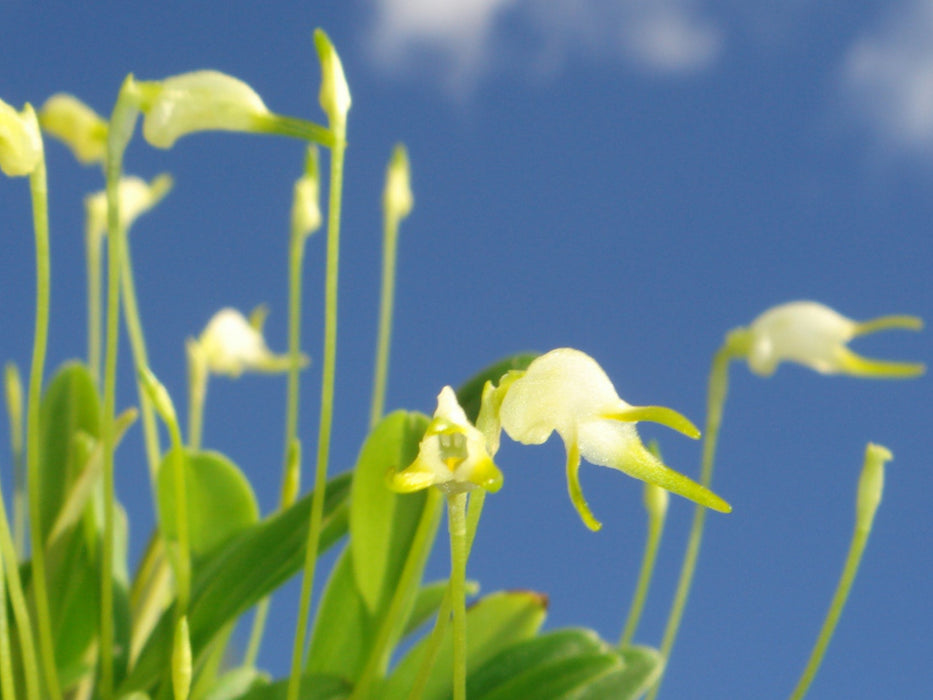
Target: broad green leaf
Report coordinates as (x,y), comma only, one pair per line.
(429,601)
(220,499)
(69,405)
(510,665)
(236,683)
(494,623)
(643,666)
(245,570)
(382,522)
(561,679)
(313,687)
(470,393)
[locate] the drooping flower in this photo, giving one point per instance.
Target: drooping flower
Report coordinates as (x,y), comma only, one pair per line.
(452,455)
(306,209)
(230,345)
(334,96)
(204,100)
(20,140)
(815,336)
(566,391)
(76,125)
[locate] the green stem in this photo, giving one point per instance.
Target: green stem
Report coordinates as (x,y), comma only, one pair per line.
(9,563)
(328,372)
(134,330)
(655,529)
(7,687)
(293,127)
(475,510)
(39,191)
(870,487)
(93,256)
(122,123)
(406,586)
(456,522)
(387,300)
(716,399)
(198,375)
(14,398)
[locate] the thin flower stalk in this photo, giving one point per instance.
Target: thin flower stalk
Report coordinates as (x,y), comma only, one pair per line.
(13,386)
(397,202)
(871,484)
(655,500)
(335,100)
(456,523)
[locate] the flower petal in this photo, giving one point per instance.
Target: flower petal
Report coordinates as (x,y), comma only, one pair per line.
(656,414)
(858,366)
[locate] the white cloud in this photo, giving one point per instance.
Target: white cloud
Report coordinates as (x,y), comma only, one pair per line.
(889,77)
(464,39)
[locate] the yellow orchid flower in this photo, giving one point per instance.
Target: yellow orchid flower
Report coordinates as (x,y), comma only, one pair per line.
(566,391)
(202,100)
(76,125)
(20,140)
(815,336)
(452,454)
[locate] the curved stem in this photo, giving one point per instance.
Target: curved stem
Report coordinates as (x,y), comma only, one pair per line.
(39,191)
(655,529)
(716,399)
(328,372)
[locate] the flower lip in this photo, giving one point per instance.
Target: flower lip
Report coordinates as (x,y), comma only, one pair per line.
(816,336)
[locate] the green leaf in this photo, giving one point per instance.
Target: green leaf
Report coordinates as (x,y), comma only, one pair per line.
(429,601)
(643,666)
(512,664)
(70,405)
(382,523)
(494,623)
(470,393)
(234,684)
(220,499)
(245,570)
(313,687)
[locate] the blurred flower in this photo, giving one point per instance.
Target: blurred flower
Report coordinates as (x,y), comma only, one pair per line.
(566,391)
(20,140)
(452,454)
(136,197)
(306,210)
(231,345)
(815,336)
(76,125)
(397,199)
(199,101)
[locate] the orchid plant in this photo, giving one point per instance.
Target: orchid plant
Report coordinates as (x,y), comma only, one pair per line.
(74,623)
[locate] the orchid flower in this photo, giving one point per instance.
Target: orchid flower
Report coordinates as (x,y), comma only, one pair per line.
(566,391)
(136,198)
(76,125)
(199,101)
(452,455)
(230,345)
(20,140)
(815,336)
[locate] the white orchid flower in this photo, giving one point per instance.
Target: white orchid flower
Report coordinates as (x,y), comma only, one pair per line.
(204,100)
(566,391)
(815,336)
(231,345)
(452,454)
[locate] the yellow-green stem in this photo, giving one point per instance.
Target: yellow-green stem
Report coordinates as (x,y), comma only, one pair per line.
(40,214)
(120,131)
(198,375)
(715,401)
(9,574)
(134,330)
(391,622)
(475,510)
(14,398)
(93,256)
(386,306)
(7,687)
(328,372)
(456,522)
(655,530)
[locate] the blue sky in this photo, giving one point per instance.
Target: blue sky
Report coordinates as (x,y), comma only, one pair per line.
(632,179)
